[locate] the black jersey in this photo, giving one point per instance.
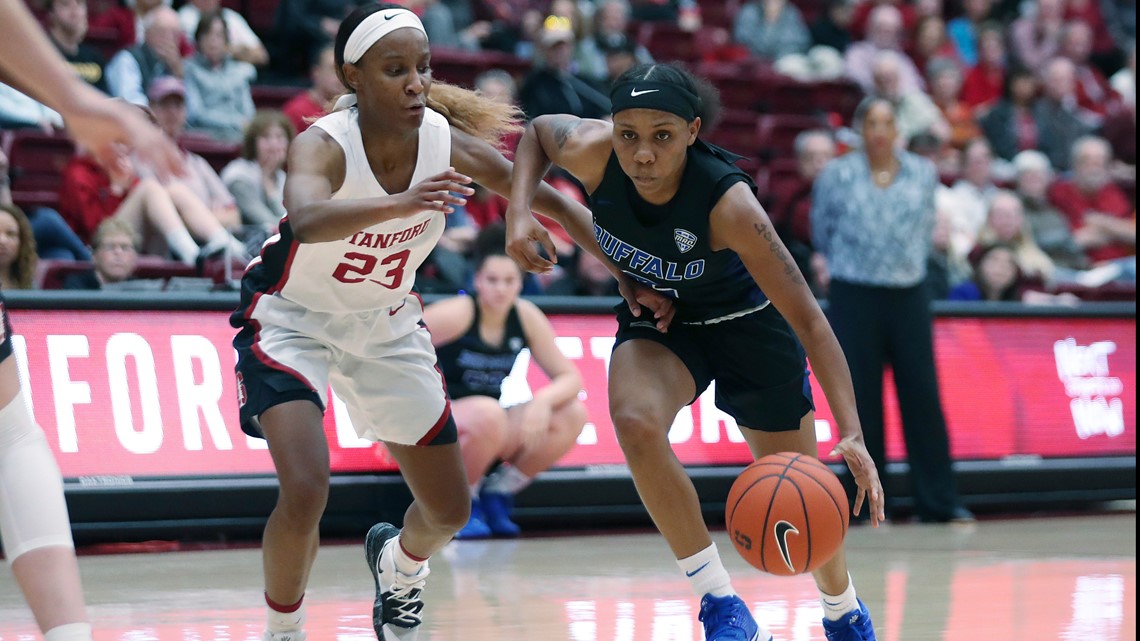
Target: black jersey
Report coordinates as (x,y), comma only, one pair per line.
(667,246)
(472,367)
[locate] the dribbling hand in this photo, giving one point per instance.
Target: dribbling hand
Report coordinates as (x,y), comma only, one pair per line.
(437,193)
(524,235)
(862,466)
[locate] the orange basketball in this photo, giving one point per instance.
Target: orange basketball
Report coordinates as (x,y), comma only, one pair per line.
(787,514)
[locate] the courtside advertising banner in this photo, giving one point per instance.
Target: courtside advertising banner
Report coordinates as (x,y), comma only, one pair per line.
(147,394)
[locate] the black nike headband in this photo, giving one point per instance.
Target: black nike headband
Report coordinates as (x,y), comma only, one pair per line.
(650,94)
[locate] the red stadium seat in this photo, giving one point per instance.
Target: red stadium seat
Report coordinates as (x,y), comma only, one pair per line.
(272,96)
(669,42)
(50,274)
(719,13)
(838,97)
(460,67)
(260,14)
(736,132)
(37,160)
(104,39)
(776,133)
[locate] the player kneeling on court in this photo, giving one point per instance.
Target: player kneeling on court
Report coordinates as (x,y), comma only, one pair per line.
(477,338)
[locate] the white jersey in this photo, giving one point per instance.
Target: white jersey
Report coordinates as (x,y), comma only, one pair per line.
(375,267)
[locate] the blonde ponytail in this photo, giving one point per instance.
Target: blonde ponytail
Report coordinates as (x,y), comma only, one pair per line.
(475,114)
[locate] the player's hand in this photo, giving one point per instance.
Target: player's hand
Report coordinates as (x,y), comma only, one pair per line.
(441,192)
(113,129)
(862,466)
(524,235)
(535,421)
(637,295)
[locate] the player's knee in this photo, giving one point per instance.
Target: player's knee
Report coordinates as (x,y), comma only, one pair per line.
(570,418)
(304,494)
(449,514)
(485,421)
(637,429)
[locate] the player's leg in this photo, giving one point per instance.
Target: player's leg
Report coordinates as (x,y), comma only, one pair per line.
(300,454)
(482,426)
(523,460)
(34,524)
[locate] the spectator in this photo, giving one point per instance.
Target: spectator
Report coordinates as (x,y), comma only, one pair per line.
(930,43)
(1050,228)
(17,249)
(1123,82)
(301,28)
(983,83)
(551,88)
(116,255)
(1050,123)
(1101,216)
(884,34)
(1120,20)
(971,195)
(508,19)
(944,77)
(996,276)
(1006,224)
(1119,129)
(443,30)
(20,111)
(832,27)
(915,113)
(872,222)
(964,30)
(771,29)
(1093,91)
(611,24)
(582,275)
(244,45)
(1035,37)
(861,17)
(621,54)
(127,19)
(92,193)
(168,100)
(945,269)
(218,98)
(791,210)
(257,178)
(685,13)
(54,239)
(67,28)
(325,86)
(131,71)
(1103,47)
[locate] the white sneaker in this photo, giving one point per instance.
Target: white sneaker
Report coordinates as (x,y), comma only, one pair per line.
(396,611)
(283,636)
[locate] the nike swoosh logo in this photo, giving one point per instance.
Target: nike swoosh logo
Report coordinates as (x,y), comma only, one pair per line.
(635,93)
(389,16)
(782,529)
(696,571)
(393,312)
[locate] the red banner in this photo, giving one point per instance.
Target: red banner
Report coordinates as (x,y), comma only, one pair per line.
(152,394)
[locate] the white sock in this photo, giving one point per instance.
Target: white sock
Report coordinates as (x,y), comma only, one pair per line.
(475,487)
(405,564)
(182,244)
(277,621)
(706,573)
(508,479)
(69,632)
(836,607)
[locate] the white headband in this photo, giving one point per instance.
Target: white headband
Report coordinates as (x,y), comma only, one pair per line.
(375,27)
(367,33)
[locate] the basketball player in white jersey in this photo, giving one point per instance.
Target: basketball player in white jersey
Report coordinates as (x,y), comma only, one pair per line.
(329,302)
(34,525)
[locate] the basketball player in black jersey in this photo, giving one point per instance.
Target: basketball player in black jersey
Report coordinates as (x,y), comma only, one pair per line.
(677,215)
(477,340)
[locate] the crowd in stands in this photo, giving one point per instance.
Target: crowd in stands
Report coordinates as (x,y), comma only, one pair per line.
(1025,107)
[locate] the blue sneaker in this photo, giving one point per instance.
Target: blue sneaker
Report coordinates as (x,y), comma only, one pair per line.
(476,527)
(497,513)
(726,618)
(854,626)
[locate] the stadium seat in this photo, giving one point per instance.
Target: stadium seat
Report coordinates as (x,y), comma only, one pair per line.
(460,67)
(719,13)
(736,132)
(776,133)
(667,41)
(37,160)
(104,39)
(838,97)
(50,274)
(272,96)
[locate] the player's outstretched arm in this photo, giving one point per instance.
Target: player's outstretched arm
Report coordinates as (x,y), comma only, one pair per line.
(739,223)
(30,63)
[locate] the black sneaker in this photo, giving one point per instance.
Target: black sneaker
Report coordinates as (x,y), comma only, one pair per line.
(396,611)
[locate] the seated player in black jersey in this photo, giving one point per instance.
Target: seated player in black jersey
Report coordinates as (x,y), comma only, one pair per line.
(678,216)
(477,339)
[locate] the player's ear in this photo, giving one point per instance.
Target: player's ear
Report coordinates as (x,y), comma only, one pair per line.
(694,129)
(350,76)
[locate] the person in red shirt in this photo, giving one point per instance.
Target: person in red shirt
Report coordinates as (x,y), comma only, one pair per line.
(983,84)
(1093,91)
(1101,216)
(93,192)
(313,103)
